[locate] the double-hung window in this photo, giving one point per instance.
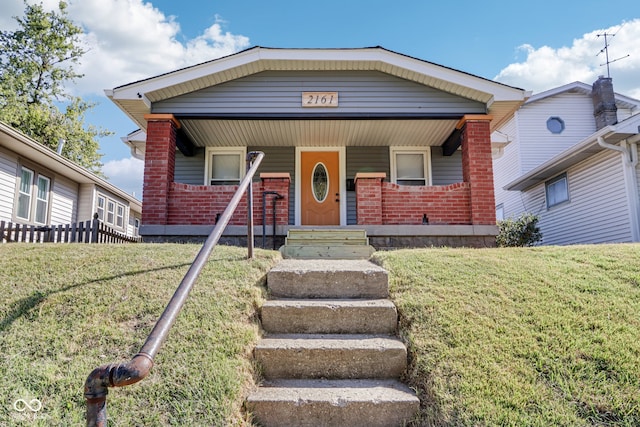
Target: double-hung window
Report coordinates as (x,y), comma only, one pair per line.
(557,190)
(34,194)
(224,166)
(410,165)
(100,207)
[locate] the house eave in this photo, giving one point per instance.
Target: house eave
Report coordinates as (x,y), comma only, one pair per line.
(35,152)
(589,146)
(135,99)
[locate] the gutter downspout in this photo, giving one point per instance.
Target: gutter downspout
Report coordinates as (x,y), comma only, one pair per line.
(630,161)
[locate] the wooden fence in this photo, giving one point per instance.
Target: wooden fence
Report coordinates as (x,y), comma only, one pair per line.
(92,231)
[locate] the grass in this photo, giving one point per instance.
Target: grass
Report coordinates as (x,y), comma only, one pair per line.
(521,337)
(511,337)
(65,309)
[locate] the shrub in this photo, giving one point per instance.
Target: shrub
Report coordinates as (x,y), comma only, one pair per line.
(521,231)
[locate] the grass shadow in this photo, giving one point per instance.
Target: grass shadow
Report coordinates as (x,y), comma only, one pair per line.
(23,306)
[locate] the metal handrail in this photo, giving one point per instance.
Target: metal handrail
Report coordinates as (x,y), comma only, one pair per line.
(122,374)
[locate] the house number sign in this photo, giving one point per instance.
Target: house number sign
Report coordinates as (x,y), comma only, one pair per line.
(319,99)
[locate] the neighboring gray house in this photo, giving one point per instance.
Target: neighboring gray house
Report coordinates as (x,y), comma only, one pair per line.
(40,187)
(569,155)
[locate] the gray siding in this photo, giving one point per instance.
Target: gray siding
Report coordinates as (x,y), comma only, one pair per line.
(86,202)
(280,160)
(445,170)
(8,180)
(280,92)
(190,170)
(364,159)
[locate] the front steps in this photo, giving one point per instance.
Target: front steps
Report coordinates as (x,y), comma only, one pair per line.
(328,356)
(326,243)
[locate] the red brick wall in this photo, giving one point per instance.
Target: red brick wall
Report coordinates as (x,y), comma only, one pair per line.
(199,204)
(443,204)
(159,166)
(477,170)
(369,201)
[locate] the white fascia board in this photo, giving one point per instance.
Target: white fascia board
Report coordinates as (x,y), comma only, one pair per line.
(130,91)
(377,57)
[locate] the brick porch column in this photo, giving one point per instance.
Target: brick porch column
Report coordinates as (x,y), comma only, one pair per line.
(477,167)
(159,167)
(369,198)
(278,182)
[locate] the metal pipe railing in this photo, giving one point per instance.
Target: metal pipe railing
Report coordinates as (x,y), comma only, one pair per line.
(118,375)
(277,197)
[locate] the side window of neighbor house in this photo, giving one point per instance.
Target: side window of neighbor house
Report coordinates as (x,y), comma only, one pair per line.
(410,166)
(111,211)
(557,190)
(34,194)
(224,166)
(120,216)
(100,207)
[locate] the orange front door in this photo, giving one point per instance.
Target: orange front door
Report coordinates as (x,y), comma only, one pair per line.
(320,188)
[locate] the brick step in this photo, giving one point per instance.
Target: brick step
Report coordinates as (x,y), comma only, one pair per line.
(321,278)
(331,356)
(333,403)
(329,316)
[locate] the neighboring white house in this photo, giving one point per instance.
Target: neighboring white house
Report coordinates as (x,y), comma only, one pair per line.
(569,155)
(40,187)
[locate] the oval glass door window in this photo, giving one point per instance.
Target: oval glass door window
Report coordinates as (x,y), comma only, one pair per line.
(320,182)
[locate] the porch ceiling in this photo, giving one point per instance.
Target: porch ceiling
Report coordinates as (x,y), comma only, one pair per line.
(229,132)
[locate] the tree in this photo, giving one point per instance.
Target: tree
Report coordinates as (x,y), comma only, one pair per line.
(36,62)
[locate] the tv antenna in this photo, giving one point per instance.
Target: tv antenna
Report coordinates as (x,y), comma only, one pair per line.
(605,49)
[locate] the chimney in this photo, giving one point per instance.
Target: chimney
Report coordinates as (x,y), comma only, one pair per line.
(604,102)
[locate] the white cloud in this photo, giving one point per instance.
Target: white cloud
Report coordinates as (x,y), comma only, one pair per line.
(128,40)
(126,174)
(547,67)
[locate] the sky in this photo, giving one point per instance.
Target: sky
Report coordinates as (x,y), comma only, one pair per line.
(531,45)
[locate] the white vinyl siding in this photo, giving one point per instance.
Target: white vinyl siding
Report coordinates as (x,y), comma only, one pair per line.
(597,211)
(506,168)
(8,182)
(537,144)
(64,200)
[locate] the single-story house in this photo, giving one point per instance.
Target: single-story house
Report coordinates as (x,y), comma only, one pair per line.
(40,187)
(571,157)
(353,138)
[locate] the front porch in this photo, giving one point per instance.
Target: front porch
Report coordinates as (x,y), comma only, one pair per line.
(393,215)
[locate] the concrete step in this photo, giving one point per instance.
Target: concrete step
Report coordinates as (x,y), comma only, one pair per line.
(326,251)
(331,356)
(319,278)
(333,403)
(329,316)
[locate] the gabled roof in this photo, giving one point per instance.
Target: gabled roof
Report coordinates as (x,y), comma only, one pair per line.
(622,101)
(35,152)
(136,98)
(612,134)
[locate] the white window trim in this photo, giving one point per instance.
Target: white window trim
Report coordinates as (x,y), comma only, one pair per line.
(37,199)
(426,151)
(105,211)
(210,151)
(33,195)
(551,181)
